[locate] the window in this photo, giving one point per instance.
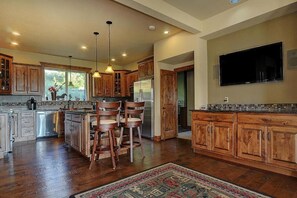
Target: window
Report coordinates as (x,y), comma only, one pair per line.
(59,79)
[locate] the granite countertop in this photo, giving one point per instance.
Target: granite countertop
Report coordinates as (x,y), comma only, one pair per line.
(284,111)
(80,111)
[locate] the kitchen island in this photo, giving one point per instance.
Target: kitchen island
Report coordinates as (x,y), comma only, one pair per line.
(78,131)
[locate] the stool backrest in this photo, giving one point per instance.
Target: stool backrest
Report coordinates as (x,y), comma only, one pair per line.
(108,110)
(134,109)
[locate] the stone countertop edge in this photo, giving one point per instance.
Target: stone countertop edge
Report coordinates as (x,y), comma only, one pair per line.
(246,111)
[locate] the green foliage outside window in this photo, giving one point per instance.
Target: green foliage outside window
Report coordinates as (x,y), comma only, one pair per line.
(58,80)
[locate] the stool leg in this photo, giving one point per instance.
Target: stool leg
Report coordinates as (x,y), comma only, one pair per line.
(121,139)
(94,149)
(115,145)
(112,155)
(140,141)
(131,144)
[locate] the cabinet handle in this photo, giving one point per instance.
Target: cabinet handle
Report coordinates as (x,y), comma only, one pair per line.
(268,136)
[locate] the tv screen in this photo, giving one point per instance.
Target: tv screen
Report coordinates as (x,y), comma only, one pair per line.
(260,64)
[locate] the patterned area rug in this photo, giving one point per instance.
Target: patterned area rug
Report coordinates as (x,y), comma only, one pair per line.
(169,180)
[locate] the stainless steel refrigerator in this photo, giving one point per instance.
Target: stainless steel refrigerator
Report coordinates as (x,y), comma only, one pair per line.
(144,91)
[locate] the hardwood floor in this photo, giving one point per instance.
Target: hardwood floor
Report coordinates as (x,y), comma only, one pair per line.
(46,168)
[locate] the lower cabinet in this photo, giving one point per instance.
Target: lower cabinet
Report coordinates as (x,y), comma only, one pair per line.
(3,134)
(73,130)
(214,134)
(24,125)
(266,141)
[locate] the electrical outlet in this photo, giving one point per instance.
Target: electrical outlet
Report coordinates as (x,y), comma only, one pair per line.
(226,99)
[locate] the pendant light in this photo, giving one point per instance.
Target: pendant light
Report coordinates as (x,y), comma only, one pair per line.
(109,67)
(70,82)
(96,74)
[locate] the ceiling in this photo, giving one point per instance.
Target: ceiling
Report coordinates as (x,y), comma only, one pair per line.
(60,28)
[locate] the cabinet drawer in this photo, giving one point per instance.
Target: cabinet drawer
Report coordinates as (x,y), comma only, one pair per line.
(76,118)
(27,114)
(216,117)
(268,119)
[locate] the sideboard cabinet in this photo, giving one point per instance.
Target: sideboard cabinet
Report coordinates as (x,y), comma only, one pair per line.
(263,140)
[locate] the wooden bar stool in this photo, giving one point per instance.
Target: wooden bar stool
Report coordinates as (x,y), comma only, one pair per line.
(108,114)
(134,114)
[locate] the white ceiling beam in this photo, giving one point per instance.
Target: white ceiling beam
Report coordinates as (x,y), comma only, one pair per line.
(165,12)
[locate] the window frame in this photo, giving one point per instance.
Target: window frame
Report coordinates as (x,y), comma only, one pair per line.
(66,69)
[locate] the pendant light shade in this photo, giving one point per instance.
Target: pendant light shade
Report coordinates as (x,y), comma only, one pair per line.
(70,82)
(109,67)
(96,74)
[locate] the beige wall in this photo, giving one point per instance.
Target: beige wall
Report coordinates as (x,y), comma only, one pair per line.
(282,29)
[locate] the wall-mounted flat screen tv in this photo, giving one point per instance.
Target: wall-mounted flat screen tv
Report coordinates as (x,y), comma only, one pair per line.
(260,64)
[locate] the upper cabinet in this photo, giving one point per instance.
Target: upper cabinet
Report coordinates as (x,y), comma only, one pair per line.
(5,74)
(102,87)
(26,79)
(130,79)
(146,68)
(119,80)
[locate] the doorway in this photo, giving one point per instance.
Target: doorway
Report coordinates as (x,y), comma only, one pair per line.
(185,91)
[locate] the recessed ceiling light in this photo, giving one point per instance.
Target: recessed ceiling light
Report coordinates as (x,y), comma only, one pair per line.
(14,43)
(166,32)
(16,33)
(113,59)
(84,47)
(152,28)
(234,1)
(124,54)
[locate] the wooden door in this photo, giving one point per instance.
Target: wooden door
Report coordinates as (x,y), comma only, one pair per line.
(282,146)
(75,135)
(168,104)
(34,80)
(68,129)
(98,88)
(108,82)
(251,142)
(200,134)
(20,79)
(222,137)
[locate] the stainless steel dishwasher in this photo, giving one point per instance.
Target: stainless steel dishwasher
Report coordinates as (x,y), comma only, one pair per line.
(46,123)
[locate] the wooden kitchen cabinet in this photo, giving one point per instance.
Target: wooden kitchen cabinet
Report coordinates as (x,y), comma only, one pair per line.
(146,68)
(130,79)
(103,87)
(27,79)
(268,138)
(6,74)
(214,132)
(119,80)
(262,140)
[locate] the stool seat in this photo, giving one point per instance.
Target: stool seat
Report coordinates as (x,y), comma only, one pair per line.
(94,124)
(123,120)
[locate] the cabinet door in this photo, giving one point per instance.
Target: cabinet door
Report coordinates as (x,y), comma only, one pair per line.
(282,146)
(142,70)
(68,129)
(20,79)
(107,79)
(251,142)
(34,80)
(3,133)
(201,135)
(75,135)
(98,88)
(222,136)
(150,68)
